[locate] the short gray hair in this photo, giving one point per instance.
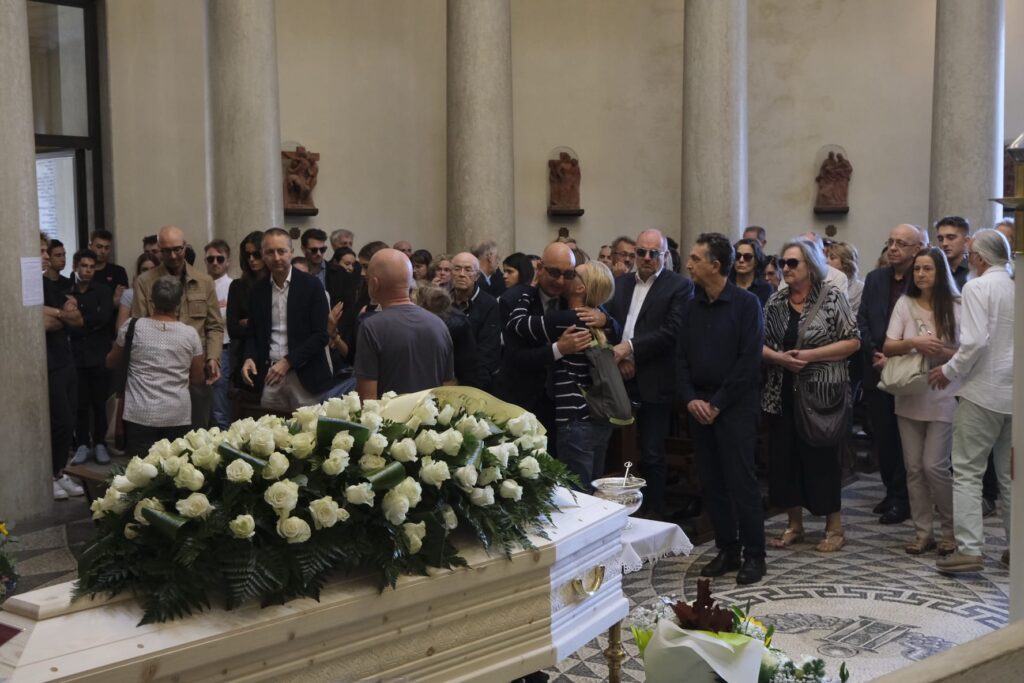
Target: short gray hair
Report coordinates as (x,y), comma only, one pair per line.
(166,294)
(483,247)
(814,257)
(993,248)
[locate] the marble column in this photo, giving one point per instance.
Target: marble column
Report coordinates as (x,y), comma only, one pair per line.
(967,111)
(480,183)
(714,119)
(246,193)
(25,489)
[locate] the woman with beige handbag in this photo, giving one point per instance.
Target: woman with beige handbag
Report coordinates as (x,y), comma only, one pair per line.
(924,324)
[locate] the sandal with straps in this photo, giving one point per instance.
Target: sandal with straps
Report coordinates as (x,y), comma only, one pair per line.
(788,538)
(919,546)
(833,541)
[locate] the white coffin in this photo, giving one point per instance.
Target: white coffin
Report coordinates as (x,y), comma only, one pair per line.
(495,621)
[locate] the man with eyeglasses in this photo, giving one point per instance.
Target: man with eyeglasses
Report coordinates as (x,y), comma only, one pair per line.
(199,309)
(218,262)
(882,288)
(623,255)
(952,233)
(649,304)
(482,310)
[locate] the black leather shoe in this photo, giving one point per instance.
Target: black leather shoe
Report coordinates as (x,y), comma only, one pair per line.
(725,561)
(752,571)
(894,515)
(881,507)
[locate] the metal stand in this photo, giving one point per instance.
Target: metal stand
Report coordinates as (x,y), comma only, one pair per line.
(614,654)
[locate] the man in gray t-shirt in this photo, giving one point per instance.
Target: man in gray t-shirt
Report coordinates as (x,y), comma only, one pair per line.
(403,348)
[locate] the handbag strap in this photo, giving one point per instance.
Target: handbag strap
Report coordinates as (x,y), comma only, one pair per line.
(129,337)
(802,329)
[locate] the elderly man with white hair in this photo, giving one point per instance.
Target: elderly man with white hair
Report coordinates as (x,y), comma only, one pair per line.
(984,415)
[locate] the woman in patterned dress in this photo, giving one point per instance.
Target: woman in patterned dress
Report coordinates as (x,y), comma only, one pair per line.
(800,475)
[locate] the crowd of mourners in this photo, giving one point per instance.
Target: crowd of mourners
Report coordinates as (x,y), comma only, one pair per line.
(780,346)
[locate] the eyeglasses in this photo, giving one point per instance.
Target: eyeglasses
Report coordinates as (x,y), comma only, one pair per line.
(463,269)
(556,273)
(216,259)
(643,253)
(900,244)
(317,250)
(791,263)
(253,255)
(177,251)
(744,256)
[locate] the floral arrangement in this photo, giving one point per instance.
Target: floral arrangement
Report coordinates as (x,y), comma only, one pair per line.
(271,507)
(8,576)
(734,644)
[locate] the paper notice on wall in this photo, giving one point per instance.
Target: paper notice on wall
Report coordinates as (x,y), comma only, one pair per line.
(31,281)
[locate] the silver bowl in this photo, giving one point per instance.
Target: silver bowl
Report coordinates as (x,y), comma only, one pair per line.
(621,490)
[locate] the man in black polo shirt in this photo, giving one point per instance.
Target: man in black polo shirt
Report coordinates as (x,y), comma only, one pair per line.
(719,380)
(951,233)
(107,272)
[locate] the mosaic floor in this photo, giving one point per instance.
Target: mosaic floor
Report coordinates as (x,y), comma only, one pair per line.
(870,605)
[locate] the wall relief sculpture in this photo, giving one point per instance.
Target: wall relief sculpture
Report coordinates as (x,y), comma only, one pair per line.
(564,185)
(833,184)
(301,168)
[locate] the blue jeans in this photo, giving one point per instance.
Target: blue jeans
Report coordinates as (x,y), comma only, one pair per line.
(222,411)
(582,445)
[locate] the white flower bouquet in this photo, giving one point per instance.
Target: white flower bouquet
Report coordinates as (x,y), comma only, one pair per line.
(271,507)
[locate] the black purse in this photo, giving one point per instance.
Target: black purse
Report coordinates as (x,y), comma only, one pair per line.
(823,411)
(119,375)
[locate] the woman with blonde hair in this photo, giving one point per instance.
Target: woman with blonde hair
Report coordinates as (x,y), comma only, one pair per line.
(844,256)
(581,441)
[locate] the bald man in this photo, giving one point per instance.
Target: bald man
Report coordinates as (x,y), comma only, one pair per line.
(882,288)
(200,310)
(403,348)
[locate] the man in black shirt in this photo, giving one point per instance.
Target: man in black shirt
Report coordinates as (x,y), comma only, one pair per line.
(107,272)
(719,380)
(58,259)
(951,233)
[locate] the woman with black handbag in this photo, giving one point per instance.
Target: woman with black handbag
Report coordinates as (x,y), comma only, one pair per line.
(810,331)
(923,327)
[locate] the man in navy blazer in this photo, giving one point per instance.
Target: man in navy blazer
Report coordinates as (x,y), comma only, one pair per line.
(648,305)
(285,348)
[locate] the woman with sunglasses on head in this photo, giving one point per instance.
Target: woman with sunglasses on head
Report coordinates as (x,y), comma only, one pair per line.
(237,318)
(845,257)
(811,339)
(926,321)
(748,270)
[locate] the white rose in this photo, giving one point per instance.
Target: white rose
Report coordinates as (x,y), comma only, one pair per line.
(482,496)
(343,515)
(360,494)
(171,464)
(197,438)
(426,411)
(261,442)
(489,475)
(451,520)
(372,406)
(282,438)
(140,473)
(533,442)
(122,484)
(196,505)
(324,512)
(307,417)
(303,445)
(161,449)
(343,441)
(481,430)
(244,428)
(411,489)
(189,477)
(206,457)
(336,462)
(427,442)
(501,453)
(283,496)
(466,424)
(293,529)
(179,446)
(434,472)
(414,534)
(517,426)
(336,408)
(375,445)
(276,466)
(445,416)
(243,526)
(394,506)
(529,467)
(239,471)
(114,501)
(271,421)
(511,489)
(153,459)
(372,463)
(371,421)
(404,450)
(152,504)
(388,395)
(131,531)
(451,441)
(352,402)
(96,507)
(466,477)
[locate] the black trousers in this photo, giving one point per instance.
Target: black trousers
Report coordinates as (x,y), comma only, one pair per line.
(63,389)
(139,438)
(725,464)
(93,391)
(885,434)
(653,421)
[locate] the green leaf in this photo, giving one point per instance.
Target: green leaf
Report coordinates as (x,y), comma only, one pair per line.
(231,453)
(387,478)
(166,523)
(328,427)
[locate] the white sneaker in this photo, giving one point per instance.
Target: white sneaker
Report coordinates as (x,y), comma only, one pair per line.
(58,492)
(82,455)
(102,456)
(69,486)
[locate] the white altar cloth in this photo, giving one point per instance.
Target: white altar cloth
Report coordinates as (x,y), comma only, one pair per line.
(648,541)
(495,621)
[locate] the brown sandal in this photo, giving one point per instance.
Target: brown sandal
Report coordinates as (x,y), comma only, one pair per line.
(833,541)
(947,546)
(919,546)
(787,538)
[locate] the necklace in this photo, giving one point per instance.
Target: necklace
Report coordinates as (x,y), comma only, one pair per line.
(793,300)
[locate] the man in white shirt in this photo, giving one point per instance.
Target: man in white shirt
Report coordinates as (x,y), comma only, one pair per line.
(984,414)
(218,262)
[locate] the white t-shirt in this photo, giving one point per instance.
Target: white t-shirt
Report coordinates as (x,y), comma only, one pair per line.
(910,320)
(223,284)
(156,393)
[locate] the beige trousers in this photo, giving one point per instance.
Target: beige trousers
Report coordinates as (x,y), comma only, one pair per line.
(927,447)
(287,395)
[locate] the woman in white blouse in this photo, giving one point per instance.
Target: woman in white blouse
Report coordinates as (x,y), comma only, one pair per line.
(926,320)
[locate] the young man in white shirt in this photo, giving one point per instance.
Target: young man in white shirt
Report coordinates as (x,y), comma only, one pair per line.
(218,262)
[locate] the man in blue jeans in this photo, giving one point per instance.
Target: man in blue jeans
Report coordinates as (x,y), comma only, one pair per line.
(218,262)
